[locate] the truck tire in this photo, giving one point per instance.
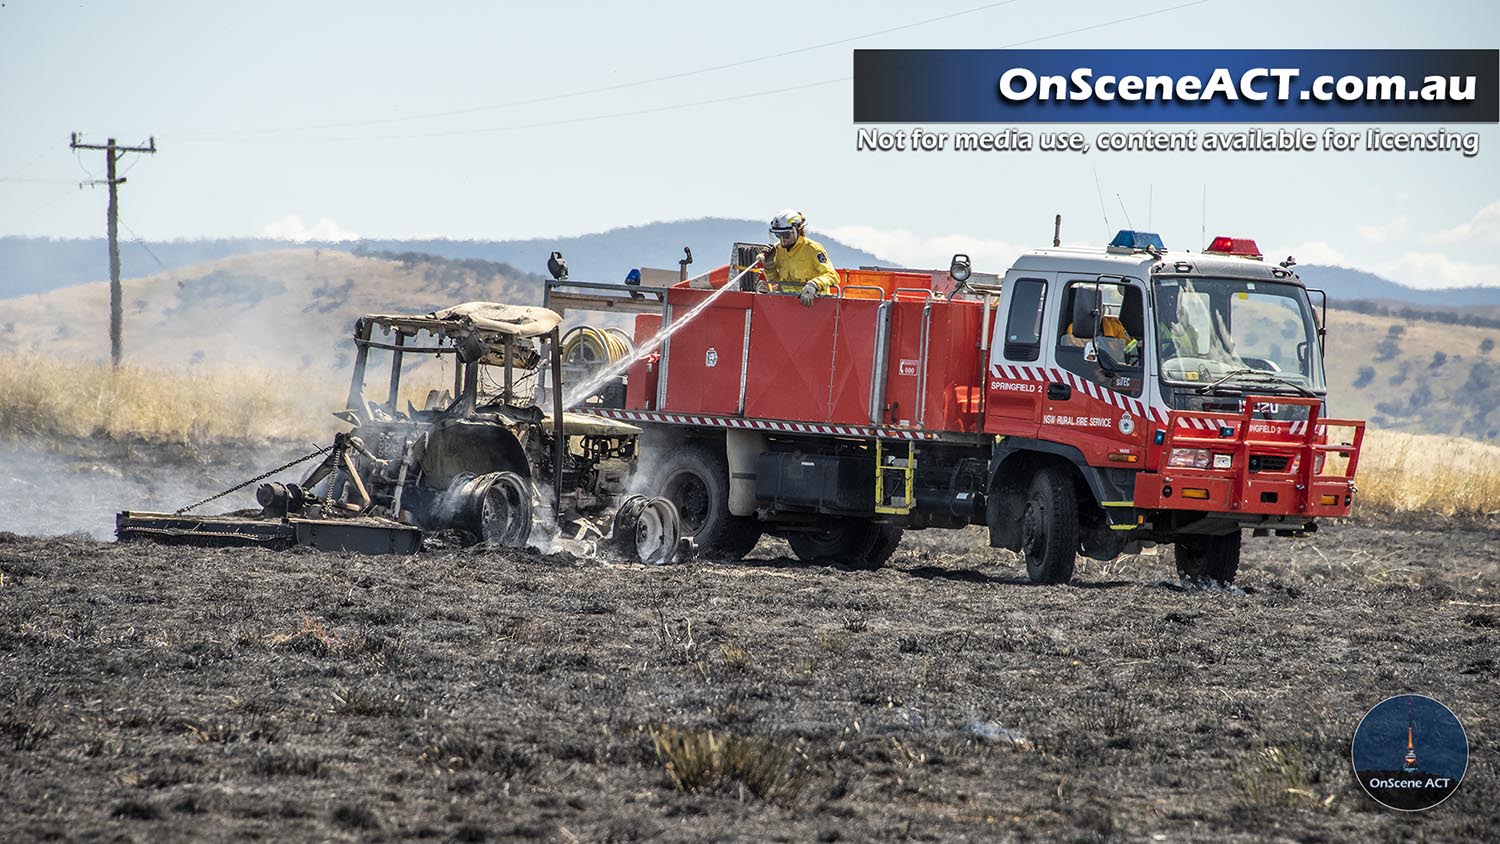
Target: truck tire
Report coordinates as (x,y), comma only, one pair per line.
(887,540)
(1049,528)
(1208,559)
(696,480)
(856,543)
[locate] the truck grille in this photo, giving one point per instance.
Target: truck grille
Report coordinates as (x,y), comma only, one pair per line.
(1268,462)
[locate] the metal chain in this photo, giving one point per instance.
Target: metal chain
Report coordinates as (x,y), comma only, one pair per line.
(261,477)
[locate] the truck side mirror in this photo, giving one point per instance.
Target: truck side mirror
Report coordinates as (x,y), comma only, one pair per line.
(1085,312)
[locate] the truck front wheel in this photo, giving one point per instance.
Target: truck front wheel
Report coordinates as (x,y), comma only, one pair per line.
(696,481)
(1049,528)
(1208,559)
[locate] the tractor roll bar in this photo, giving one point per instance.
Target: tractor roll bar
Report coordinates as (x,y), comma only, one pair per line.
(559,442)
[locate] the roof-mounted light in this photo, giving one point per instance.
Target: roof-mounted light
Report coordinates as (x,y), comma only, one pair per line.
(1134,241)
(1239,247)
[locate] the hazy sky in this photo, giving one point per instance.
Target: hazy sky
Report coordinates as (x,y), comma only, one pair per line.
(399,119)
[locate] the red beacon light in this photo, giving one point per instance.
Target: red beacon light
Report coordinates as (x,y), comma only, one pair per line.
(1239,247)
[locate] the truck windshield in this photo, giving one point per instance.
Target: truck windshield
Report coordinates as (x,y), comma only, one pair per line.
(1244,332)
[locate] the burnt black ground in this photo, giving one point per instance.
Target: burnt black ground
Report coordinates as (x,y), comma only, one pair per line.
(174,694)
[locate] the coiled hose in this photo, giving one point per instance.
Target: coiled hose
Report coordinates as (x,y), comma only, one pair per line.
(588,345)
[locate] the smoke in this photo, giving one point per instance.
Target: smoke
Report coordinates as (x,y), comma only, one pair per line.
(44,493)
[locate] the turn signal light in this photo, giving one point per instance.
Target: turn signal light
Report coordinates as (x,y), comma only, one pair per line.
(1194,492)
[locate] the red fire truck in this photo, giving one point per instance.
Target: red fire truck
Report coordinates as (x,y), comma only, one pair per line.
(1091,400)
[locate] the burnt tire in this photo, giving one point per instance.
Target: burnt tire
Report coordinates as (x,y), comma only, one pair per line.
(695,478)
(856,543)
(504,517)
(1208,559)
(1049,528)
(646,530)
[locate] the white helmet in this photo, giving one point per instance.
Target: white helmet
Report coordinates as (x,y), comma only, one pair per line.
(787,225)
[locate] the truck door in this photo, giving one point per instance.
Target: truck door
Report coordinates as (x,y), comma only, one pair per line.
(1096,380)
(1015,387)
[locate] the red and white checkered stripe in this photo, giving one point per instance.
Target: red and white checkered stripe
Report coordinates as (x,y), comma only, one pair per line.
(1043,375)
(1203,424)
(759,424)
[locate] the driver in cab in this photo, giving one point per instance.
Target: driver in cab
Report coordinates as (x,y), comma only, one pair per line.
(1119,343)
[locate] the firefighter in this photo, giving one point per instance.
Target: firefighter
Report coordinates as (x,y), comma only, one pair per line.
(797,264)
(1181,333)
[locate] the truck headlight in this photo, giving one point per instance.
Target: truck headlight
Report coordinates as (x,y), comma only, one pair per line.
(1188,458)
(1223,461)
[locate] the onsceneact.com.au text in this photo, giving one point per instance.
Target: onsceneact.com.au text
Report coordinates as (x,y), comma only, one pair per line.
(1257,84)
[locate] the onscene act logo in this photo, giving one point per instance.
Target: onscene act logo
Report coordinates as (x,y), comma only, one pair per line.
(1410,753)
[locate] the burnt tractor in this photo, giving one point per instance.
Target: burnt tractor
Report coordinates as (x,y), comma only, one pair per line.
(480,456)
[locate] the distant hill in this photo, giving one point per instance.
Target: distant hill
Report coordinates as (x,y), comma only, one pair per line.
(1345,284)
(1414,375)
(288,309)
(1407,369)
(37,265)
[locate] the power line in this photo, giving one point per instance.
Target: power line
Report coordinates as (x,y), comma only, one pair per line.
(27,166)
(546,123)
(605,88)
(142,244)
(82,166)
(671,107)
(37,210)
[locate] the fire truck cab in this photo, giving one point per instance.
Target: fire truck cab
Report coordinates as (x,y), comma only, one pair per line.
(1185,391)
(1091,400)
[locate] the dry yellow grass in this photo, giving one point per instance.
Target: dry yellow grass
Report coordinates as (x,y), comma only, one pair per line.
(1421,472)
(42,399)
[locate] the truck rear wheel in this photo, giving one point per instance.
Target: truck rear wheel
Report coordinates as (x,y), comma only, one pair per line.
(857,543)
(887,539)
(1208,559)
(1049,528)
(696,480)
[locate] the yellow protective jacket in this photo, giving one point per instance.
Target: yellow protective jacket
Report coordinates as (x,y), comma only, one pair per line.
(806,261)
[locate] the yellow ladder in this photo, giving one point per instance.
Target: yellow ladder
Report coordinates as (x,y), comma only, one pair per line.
(906,467)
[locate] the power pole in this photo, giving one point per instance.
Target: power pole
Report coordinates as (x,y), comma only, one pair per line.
(112,154)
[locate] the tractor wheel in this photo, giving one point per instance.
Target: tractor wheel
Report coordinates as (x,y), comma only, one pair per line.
(695,479)
(1208,559)
(647,530)
(856,543)
(505,511)
(1049,528)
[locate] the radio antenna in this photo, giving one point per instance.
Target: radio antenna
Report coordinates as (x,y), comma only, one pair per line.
(1203,217)
(1124,211)
(1100,191)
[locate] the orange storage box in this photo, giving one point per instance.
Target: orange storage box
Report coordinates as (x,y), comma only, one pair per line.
(856,283)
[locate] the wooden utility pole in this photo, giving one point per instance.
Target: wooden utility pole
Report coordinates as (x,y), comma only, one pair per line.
(112,154)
